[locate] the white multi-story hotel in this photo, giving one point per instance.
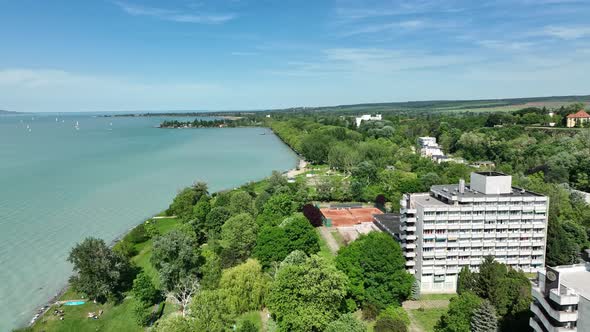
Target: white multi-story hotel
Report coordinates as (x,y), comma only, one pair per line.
(561,299)
(457,225)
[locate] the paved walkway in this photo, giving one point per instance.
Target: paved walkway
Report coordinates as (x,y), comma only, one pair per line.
(332,244)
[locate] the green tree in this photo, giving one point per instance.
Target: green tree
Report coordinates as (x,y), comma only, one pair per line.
(202,208)
(244,287)
(238,237)
(387,324)
(346,323)
(176,256)
(125,249)
(415,293)
(376,269)
(144,289)
(484,318)
(247,326)
(301,235)
(99,273)
(142,312)
(208,313)
(272,245)
(395,313)
(216,218)
(458,317)
(260,200)
(466,280)
(182,205)
(241,202)
(306,296)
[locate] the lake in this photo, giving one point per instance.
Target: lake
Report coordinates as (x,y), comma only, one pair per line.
(59,184)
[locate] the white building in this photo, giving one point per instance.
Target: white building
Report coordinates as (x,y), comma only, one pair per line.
(427,141)
(457,225)
(429,147)
(561,299)
(367,117)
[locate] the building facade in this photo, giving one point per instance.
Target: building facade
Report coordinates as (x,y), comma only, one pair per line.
(561,299)
(367,117)
(453,226)
(578,119)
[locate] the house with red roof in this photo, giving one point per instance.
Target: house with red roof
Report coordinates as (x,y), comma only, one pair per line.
(577,119)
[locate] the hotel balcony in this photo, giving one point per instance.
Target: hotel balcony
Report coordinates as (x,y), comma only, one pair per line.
(547,324)
(410,263)
(410,254)
(407,210)
(560,316)
(538,325)
(408,228)
(409,245)
(564,296)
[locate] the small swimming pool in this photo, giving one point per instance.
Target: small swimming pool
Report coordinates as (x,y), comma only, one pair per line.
(74,302)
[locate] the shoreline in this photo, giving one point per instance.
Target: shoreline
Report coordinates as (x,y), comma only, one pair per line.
(44,308)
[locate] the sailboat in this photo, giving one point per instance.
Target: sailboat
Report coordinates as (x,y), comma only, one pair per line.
(77,126)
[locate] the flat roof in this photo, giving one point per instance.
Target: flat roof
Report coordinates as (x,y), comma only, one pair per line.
(453,190)
(576,280)
(426,199)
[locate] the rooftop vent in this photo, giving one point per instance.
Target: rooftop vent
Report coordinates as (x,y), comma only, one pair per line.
(462,186)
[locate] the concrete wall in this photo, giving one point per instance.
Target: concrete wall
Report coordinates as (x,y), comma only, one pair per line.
(583,315)
(491,185)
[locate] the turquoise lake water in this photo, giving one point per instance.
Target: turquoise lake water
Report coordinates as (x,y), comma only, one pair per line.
(59,185)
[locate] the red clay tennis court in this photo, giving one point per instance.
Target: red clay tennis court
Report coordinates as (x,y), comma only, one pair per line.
(349,216)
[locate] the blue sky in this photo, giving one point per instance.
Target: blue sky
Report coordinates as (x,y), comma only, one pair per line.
(104,55)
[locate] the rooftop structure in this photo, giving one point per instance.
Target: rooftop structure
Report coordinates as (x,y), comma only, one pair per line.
(561,299)
(389,222)
(367,117)
(578,118)
(457,225)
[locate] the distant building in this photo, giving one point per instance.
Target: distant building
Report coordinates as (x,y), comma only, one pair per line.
(427,141)
(561,299)
(429,148)
(577,119)
(457,225)
(367,117)
(483,164)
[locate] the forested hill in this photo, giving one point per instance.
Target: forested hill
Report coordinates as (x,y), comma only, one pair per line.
(483,105)
(3,112)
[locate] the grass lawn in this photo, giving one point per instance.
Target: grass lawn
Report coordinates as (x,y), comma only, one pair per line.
(324,249)
(115,317)
(428,318)
(338,237)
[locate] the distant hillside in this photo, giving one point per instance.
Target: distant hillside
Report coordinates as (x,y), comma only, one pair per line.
(436,106)
(3,112)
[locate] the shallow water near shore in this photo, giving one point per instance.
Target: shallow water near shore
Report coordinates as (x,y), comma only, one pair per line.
(59,184)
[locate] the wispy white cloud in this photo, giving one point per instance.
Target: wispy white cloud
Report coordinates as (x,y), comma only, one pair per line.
(58,90)
(373,61)
(244,53)
(566,32)
(394,8)
(503,45)
(175,15)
